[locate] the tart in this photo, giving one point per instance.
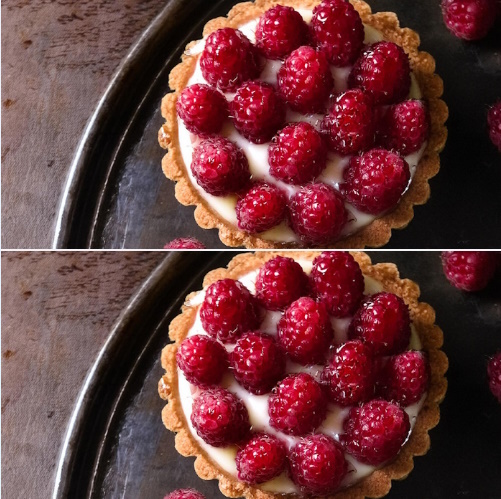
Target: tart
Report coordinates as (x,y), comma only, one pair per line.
(279,357)
(274,140)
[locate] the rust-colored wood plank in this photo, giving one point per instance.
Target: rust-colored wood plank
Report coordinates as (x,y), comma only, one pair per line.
(57,59)
(57,310)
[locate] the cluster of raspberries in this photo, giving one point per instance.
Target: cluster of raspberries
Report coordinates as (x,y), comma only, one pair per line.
(371,121)
(473,20)
(372,373)
(473,271)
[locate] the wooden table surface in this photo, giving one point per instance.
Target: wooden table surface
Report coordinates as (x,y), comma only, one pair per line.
(57,59)
(57,310)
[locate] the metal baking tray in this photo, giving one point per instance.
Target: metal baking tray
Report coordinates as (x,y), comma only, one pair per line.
(117,447)
(117,197)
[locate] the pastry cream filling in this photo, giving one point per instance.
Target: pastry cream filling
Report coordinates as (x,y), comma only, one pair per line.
(257,405)
(257,154)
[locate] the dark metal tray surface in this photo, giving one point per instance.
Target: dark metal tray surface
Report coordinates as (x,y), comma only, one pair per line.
(117,447)
(117,197)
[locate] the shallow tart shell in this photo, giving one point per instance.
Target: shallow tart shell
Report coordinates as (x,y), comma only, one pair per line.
(379,482)
(378,232)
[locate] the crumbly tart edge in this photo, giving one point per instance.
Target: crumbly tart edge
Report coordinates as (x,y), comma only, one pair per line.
(378,483)
(378,232)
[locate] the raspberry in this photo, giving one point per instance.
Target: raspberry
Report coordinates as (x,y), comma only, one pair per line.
(258,111)
(262,458)
(202,109)
(202,359)
(305,80)
(375,432)
(280,281)
(281,30)
(383,322)
(494,122)
(349,374)
(185,243)
(318,214)
(297,405)
(220,418)
(337,282)
(469,19)
(469,270)
(297,154)
(383,71)
(494,373)
(257,362)
(220,166)
(317,465)
(229,59)
(375,181)
(185,494)
(305,331)
(261,208)
(349,125)
(404,378)
(228,310)
(338,31)
(405,127)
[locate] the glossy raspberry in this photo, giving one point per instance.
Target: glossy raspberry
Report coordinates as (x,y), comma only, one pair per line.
(297,154)
(338,31)
(202,359)
(229,59)
(383,322)
(404,378)
(257,111)
(202,109)
(318,214)
(404,127)
(349,125)
(375,181)
(494,374)
(382,71)
(280,30)
(261,208)
(317,465)
(220,166)
(375,432)
(469,270)
(220,418)
(257,362)
(469,19)
(185,494)
(297,405)
(185,243)
(305,80)
(494,122)
(262,458)
(349,374)
(228,310)
(305,331)
(337,282)
(279,282)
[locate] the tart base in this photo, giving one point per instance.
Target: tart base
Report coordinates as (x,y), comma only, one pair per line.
(379,482)
(378,232)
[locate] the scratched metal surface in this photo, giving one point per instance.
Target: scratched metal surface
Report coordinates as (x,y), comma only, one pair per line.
(135,456)
(136,207)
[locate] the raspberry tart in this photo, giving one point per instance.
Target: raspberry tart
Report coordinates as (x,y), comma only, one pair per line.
(303,123)
(303,354)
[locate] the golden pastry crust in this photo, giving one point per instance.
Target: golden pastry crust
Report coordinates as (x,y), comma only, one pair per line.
(379,482)
(378,232)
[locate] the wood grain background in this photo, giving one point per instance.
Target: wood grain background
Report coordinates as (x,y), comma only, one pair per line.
(57,310)
(57,59)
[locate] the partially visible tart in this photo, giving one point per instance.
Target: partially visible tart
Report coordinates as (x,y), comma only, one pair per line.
(312,142)
(309,373)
